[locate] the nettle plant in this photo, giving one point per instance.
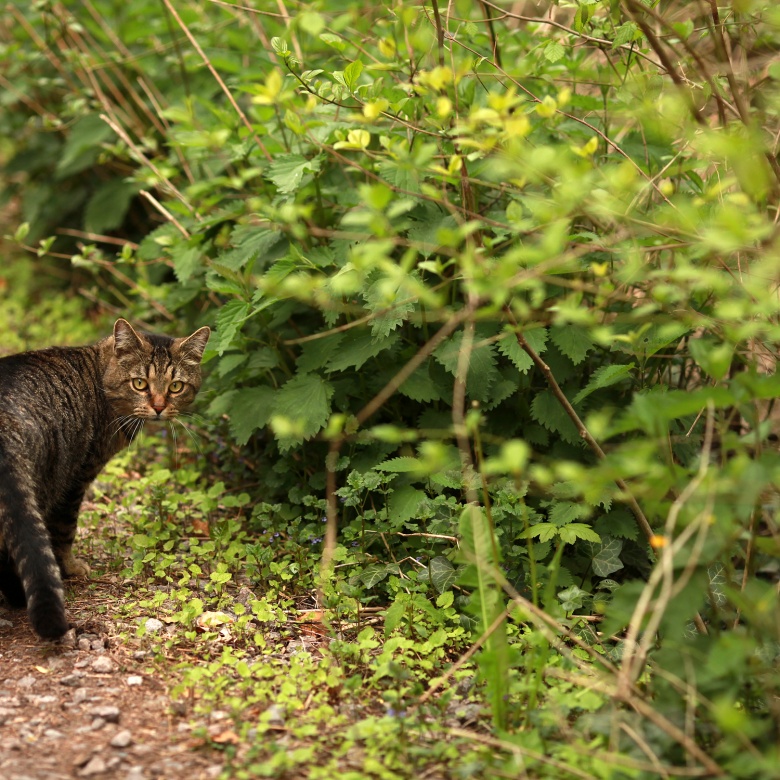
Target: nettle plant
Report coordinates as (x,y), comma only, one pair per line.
(501,290)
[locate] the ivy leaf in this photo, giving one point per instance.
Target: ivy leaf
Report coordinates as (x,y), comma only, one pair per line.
(374,573)
(572,598)
(304,399)
(573,341)
(604,377)
(250,409)
(287,171)
(606,556)
(442,573)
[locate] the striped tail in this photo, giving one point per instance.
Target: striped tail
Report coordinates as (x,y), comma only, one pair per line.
(26,540)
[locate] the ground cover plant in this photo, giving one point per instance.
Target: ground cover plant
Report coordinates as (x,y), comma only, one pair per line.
(494,290)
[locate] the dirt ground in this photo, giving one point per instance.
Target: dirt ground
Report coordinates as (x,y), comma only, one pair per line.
(88,707)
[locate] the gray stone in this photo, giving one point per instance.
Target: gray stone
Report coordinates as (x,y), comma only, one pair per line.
(121,739)
(153,625)
(27,682)
(84,643)
(72,680)
(95,766)
(103,665)
(108,712)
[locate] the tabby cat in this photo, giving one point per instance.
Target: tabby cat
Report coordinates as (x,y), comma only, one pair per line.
(64,412)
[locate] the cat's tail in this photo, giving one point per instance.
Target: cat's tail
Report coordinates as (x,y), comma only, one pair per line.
(26,540)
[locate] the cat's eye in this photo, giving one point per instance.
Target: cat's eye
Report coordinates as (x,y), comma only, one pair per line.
(176,386)
(139,384)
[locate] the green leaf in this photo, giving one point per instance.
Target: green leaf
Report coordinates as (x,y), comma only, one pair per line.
(546,409)
(565,512)
(420,386)
(374,573)
(402,464)
(482,372)
(305,400)
(230,318)
(381,300)
(286,171)
(572,598)
(83,145)
(604,377)
(537,340)
(186,257)
(554,51)
(249,243)
(569,534)
(352,74)
(573,341)
(358,347)
(107,208)
(404,503)
(606,556)
(316,353)
(626,33)
(442,573)
(249,409)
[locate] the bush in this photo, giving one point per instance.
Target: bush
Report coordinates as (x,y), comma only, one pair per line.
(474,276)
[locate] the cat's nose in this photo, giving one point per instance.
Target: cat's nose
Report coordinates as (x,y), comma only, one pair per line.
(158,404)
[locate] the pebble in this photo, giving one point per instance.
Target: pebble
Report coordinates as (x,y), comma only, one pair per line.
(103,665)
(27,682)
(95,766)
(6,623)
(135,679)
(122,739)
(108,712)
(80,695)
(135,773)
(53,734)
(84,644)
(97,724)
(72,680)
(153,625)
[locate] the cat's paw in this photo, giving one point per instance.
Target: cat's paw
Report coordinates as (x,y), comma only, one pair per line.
(74,567)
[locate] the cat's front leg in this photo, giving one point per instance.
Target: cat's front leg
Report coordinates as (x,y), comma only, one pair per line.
(70,565)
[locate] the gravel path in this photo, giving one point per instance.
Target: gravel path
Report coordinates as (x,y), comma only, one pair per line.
(88,707)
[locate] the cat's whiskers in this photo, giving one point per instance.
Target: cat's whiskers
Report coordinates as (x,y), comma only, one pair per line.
(191,434)
(172,429)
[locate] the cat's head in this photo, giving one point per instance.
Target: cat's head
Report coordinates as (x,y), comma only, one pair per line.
(149,376)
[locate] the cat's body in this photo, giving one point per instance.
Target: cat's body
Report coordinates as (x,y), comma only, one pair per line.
(64,412)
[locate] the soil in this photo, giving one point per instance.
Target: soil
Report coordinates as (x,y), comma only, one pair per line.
(87,706)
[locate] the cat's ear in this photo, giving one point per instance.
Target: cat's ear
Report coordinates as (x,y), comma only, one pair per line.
(191,348)
(126,341)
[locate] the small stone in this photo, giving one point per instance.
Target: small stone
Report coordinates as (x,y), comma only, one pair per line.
(72,680)
(275,715)
(122,739)
(80,695)
(97,724)
(135,773)
(26,682)
(139,655)
(5,714)
(108,712)
(135,679)
(95,766)
(103,665)
(153,625)
(53,734)
(97,644)
(84,643)
(6,623)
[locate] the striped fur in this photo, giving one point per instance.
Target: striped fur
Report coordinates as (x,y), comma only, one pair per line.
(64,412)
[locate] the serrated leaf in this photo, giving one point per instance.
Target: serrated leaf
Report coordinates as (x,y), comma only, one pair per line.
(352,74)
(357,348)
(305,399)
(249,409)
(381,297)
(624,34)
(107,208)
(442,573)
(508,346)
(420,386)
(404,503)
(604,377)
(573,341)
(569,534)
(554,51)
(230,318)
(547,410)
(606,556)
(617,523)
(287,171)
(565,512)
(482,371)
(401,464)
(186,260)
(249,243)
(317,352)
